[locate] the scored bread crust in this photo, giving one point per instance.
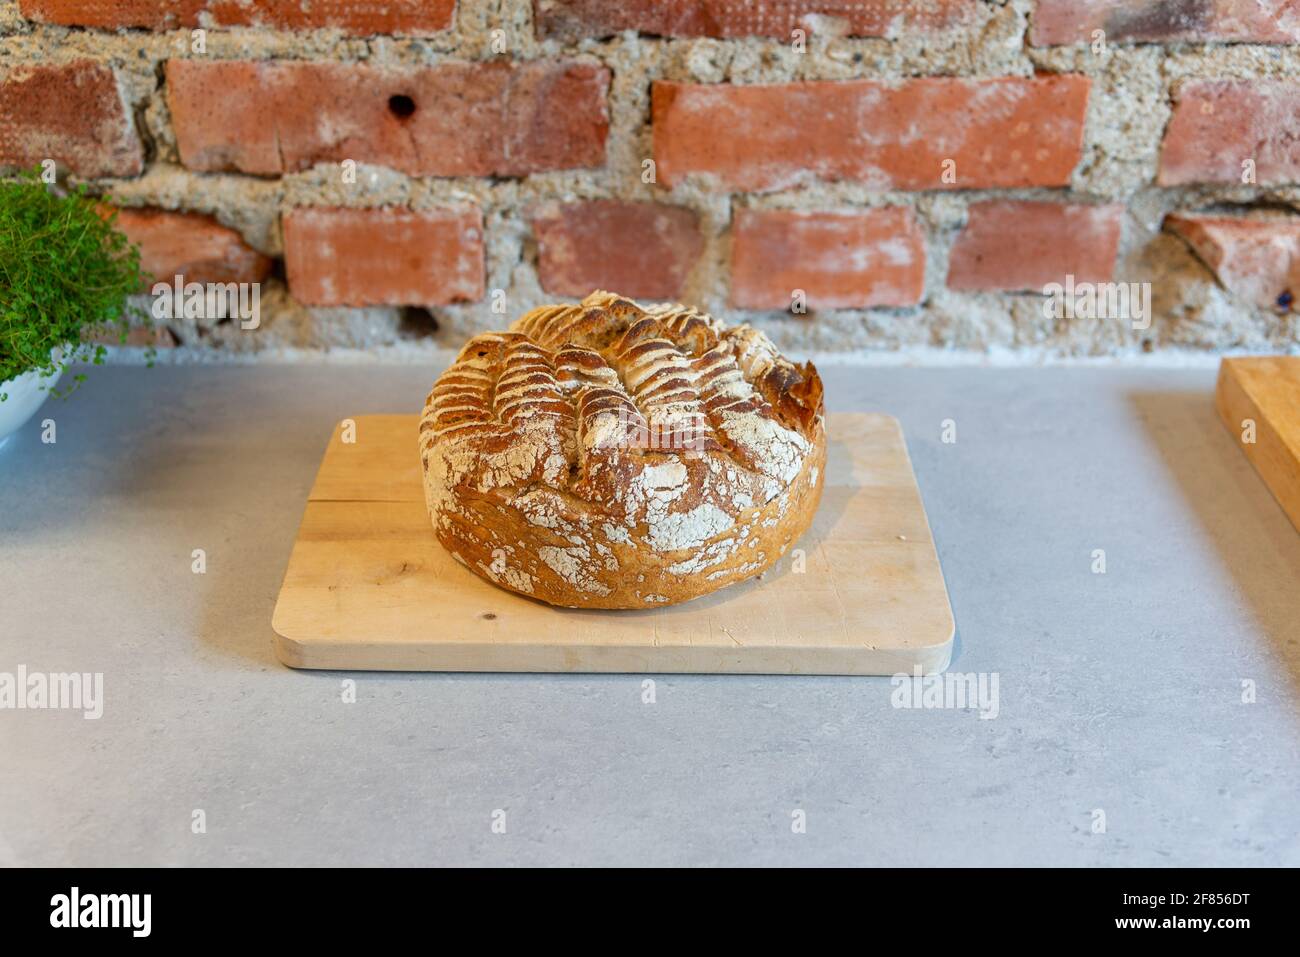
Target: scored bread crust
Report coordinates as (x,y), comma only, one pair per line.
(610,455)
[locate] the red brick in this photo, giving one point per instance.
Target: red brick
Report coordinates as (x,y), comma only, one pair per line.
(401,17)
(578,19)
(1073,21)
(193,246)
(372,257)
(1000,133)
(1016,245)
(72,113)
(634,249)
(469,119)
(873,257)
(1255,259)
(1217,124)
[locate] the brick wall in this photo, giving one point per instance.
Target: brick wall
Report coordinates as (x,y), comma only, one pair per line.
(873,174)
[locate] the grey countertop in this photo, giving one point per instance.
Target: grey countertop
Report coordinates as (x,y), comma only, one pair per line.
(1119,692)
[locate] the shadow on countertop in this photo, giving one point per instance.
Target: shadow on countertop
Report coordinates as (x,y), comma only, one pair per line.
(1252,535)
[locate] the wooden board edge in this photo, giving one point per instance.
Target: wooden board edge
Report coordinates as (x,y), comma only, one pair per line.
(950,617)
(483,657)
(313,493)
(1234,403)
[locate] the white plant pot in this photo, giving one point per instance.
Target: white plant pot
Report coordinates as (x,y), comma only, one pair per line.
(26,393)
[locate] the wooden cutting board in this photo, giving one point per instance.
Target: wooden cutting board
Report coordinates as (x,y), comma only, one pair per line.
(1258,398)
(369,587)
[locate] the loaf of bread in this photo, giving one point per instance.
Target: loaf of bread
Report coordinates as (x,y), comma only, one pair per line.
(610,455)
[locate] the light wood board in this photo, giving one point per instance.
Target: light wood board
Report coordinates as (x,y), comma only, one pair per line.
(369,587)
(1265,391)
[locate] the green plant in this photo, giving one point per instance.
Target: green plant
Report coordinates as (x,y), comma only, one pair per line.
(65,274)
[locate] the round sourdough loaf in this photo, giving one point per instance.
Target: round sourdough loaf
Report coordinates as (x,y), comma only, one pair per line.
(609,455)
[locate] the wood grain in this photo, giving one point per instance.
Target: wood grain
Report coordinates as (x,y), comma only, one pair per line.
(369,587)
(1265,390)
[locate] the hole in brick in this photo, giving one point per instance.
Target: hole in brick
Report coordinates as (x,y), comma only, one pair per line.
(416,322)
(1285,300)
(401,106)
